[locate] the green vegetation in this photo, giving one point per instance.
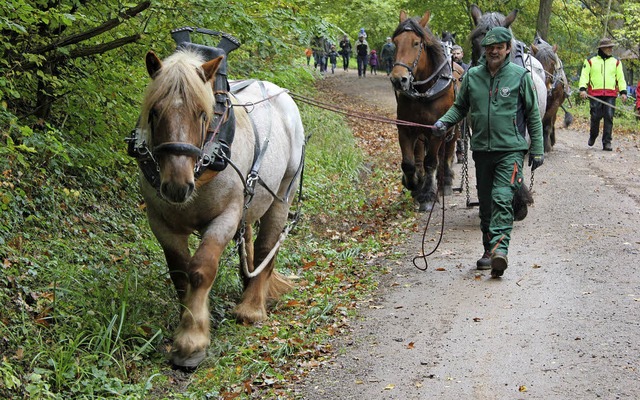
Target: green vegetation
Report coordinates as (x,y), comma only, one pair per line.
(87,305)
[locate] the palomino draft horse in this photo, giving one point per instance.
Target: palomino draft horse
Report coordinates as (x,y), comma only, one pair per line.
(176,113)
(557,88)
(423,81)
(483,23)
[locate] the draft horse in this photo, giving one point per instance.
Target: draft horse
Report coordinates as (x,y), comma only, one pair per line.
(483,23)
(424,81)
(557,88)
(176,113)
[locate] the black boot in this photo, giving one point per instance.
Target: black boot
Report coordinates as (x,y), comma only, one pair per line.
(484,262)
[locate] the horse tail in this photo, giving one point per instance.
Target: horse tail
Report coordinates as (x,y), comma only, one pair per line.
(568,118)
(521,200)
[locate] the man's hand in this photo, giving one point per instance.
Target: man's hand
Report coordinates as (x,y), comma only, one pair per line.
(535,160)
(624,98)
(583,94)
(439,128)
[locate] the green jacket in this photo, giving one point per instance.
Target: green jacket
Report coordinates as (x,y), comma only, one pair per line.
(501,109)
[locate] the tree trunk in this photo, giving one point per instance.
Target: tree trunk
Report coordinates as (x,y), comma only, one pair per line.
(544,14)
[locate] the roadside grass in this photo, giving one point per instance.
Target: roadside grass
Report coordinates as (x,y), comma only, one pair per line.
(88,309)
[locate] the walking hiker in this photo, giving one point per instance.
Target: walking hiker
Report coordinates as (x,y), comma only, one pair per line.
(602,78)
(373,62)
(345,51)
(333,57)
(362,51)
(387,55)
(498,142)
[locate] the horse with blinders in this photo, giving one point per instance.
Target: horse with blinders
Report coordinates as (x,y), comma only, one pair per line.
(424,80)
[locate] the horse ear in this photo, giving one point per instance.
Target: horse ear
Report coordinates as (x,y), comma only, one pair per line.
(476,14)
(425,18)
(555,48)
(403,16)
(510,18)
(211,67)
(153,64)
(534,48)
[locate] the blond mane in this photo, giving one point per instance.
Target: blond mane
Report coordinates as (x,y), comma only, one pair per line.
(180,79)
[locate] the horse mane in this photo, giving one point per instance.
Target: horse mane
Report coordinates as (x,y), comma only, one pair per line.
(545,54)
(433,44)
(181,80)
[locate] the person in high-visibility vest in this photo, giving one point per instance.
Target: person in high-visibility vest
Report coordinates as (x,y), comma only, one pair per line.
(602,79)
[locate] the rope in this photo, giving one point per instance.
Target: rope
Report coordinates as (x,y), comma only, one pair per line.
(355,114)
(424,256)
(625,110)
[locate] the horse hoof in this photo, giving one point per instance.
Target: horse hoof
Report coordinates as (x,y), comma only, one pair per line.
(188,362)
(426,206)
(448,190)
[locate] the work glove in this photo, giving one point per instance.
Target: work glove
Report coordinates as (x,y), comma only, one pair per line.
(439,128)
(535,160)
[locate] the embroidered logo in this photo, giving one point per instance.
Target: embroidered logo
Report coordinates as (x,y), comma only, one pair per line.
(505,91)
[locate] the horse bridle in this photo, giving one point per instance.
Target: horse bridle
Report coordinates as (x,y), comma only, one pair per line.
(412,82)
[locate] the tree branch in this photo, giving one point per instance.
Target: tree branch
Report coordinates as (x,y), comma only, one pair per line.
(86,51)
(107,26)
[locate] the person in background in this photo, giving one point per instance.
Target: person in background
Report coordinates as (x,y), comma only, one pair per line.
(387,55)
(457,54)
(638,101)
(362,51)
(498,143)
(602,79)
(373,62)
(333,57)
(345,51)
(308,53)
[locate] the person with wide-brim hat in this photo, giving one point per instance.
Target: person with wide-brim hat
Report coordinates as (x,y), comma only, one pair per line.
(601,80)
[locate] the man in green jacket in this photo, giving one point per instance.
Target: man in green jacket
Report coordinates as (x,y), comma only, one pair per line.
(602,78)
(500,99)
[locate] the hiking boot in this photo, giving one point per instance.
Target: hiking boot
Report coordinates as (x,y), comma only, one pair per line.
(607,147)
(484,262)
(591,141)
(498,264)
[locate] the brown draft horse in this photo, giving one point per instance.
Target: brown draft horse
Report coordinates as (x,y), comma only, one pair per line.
(424,84)
(176,112)
(557,88)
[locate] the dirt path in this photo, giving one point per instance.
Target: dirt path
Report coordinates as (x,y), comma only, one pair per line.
(563,323)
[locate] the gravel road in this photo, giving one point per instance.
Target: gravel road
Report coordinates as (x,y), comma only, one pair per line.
(563,322)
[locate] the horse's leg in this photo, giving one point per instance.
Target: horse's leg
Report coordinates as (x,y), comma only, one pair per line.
(546,132)
(446,166)
(269,284)
(407,143)
(428,191)
(552,135)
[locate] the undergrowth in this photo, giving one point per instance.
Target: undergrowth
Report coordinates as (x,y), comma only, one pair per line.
(88,309)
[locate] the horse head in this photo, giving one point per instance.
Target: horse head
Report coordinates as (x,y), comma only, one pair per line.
(418,52)
(176,112)
(548,57)
(483,23)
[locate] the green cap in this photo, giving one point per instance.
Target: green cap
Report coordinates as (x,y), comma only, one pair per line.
(496,35)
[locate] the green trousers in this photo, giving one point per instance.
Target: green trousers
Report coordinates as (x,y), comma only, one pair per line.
(498,177)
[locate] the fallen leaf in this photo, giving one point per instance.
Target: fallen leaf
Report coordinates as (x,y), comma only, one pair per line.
(477,319)
(410,345)
(522,388)
(389,386)
(440,269)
